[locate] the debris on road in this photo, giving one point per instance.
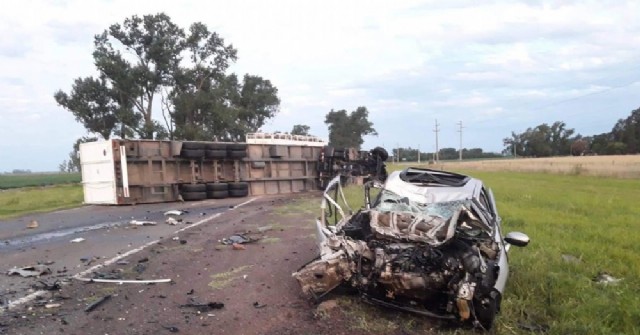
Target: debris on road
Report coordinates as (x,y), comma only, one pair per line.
(171,221)
(259,305)
(78,240)
(50,287)
(52,305)
(124,281)
(172,329)
(33,224)
(265,228)
(237,246)
(203,307)
(606,279)
(97,303)
(175,212)
(142,223)
(30,271)
(237,239)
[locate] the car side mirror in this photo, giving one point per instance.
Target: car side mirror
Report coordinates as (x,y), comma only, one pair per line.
(517,238)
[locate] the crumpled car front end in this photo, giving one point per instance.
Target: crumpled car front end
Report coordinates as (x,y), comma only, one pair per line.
(440,259)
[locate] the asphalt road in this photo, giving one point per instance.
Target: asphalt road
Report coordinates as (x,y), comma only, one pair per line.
(107,233)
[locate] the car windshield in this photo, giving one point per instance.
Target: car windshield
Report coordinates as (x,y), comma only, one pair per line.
(392,202)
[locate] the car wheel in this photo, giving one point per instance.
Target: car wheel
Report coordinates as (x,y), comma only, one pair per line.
(192,196)
(217,194)
(485,309)
(193,188)
(192,153)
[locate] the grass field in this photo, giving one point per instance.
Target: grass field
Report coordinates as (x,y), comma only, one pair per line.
(627,166)
(37,179)
(27,200)
(595,221)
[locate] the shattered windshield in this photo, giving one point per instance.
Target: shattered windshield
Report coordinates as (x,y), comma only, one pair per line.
(392,202)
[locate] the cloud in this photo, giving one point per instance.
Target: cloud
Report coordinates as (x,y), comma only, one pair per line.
(496,65)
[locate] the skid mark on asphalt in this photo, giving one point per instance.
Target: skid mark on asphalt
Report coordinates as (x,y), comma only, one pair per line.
(15,303)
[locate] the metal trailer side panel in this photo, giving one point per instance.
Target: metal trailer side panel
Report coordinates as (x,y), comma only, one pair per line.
(98,174)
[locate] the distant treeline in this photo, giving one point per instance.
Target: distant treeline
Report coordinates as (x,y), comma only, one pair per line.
(411,155)
(558,140)
(37,179)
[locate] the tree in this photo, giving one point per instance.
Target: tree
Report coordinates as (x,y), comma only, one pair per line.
(347,130)
(541,141)
(300,129)
(579,147)
(150,56)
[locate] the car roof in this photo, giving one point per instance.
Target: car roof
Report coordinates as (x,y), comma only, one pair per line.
(430,186)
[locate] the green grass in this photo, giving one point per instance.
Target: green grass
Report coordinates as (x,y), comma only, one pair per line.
(21,201)
(593,219)
(37,179)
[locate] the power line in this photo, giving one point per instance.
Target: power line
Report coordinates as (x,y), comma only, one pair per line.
(437,130)
(460,131)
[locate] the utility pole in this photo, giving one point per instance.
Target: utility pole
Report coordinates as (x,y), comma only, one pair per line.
(460,131)
(437,130)
(398,152)
(418,153)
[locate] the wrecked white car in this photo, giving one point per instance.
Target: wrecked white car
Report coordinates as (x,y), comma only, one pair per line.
(429,243)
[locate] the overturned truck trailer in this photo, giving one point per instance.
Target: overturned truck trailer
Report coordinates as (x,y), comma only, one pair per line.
(122,172)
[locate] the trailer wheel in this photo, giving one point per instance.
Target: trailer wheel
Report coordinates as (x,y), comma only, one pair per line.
(216,146)
(191,196)
(187,188)
(238,193)
(241,186)
(191,145)
(236,146)
(217,194)
(237,153)
(380,152)
(214,187)
(192,153)
(218,154)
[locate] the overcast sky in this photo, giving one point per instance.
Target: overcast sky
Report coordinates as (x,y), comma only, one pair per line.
(497,67)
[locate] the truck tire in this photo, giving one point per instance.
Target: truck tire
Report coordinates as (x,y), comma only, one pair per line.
(215,187)
(192,196)
(236,154)
(216,154)
(242,186)
(238,193)
(192,145)
(236,146)
(380,152)
(216,146)
(217,194)
(187,188)
(192,153)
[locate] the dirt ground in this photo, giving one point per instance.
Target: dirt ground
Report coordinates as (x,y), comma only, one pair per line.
(255,285)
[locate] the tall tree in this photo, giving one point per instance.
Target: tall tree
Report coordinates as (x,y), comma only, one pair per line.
(300,129)
(347,130)
(150,56)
